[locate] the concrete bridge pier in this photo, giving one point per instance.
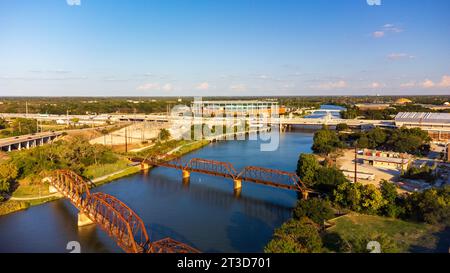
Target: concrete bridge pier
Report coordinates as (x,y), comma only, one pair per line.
(145,166)
(84,220)
(186,174)
(52,189)
(305,195)
(237,184)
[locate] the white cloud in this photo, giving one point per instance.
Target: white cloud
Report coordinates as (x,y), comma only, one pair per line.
(392,28)
(73,2)
(149,86)
(202,86)
(167,87)
(376,85)
(44,78)
(238,87)
(332,85)
(155,87)
(408,84)
(399,56)
(387,28)
(378,34)
(428,84)
(445,81)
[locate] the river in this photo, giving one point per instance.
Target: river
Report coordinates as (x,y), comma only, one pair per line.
(205,214)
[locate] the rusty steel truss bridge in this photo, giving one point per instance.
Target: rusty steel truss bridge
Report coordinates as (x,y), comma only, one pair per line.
(119,221)
(258,175)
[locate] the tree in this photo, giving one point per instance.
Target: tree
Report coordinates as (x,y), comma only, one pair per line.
(316,209)
(351,113)
(3,124)
(8,173)
(348,195)
(307,166)
(342,127)
(371,199)
(23,126)
(391,199)
(405,140)
(363,142)
(328,178)
(326,141)
(296,236)
(431,206)
(359,197)
(376,137)
(164,135)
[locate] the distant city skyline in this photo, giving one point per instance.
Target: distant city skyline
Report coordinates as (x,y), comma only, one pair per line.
(224,48)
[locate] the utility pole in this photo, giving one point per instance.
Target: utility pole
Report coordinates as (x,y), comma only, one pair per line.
(26,109)
(126,140)
(356,162)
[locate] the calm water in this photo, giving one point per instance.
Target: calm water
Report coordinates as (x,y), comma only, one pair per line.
(322,114)
(205,214)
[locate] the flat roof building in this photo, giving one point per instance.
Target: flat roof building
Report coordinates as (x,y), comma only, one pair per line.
(240,107)
(387,160)
(436,124)
(372,106)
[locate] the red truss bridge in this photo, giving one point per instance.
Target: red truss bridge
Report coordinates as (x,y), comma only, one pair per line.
(119,221)
(263,176)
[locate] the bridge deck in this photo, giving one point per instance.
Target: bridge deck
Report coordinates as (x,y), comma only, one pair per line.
(113,216)
(293,184)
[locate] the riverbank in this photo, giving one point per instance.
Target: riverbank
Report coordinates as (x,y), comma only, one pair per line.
(23,200)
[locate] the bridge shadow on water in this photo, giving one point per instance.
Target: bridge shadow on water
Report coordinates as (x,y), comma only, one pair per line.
(222,197)
(248,222)
(92,239)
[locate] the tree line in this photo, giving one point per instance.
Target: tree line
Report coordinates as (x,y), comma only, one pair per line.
(403,140)
(75,154)
(305,232)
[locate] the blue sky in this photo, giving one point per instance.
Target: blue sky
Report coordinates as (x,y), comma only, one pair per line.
(223,47)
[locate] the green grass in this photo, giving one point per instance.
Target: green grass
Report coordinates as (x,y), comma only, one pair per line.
(12,206)
(33,190)
(95,171)
(126,172)
(192,146)
(29,189)
(406,234)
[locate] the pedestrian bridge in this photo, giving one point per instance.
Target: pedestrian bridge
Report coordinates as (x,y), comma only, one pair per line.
(119,221)
(252,174)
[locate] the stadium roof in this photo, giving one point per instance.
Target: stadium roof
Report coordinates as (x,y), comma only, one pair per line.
(423,117)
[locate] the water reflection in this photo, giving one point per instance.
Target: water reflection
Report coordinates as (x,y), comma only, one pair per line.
(204,212)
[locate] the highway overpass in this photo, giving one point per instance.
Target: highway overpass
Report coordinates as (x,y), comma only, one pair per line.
(27,141)
(282,121)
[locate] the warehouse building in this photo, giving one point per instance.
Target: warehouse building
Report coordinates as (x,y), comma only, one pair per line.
(436,124)
(387,160)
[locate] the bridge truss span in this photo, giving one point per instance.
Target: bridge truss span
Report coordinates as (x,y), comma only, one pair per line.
(211,167)
(259,175)
(272,177)
(118,220)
